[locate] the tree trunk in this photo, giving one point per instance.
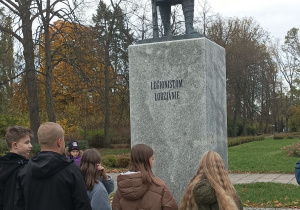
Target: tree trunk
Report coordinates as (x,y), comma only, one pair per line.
(48,88)
(30,71)
(244,120)
(235,115)
(107,107)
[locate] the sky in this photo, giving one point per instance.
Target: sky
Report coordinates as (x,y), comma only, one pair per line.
(275,16)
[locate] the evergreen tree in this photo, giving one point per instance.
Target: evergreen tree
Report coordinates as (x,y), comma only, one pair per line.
(113,38)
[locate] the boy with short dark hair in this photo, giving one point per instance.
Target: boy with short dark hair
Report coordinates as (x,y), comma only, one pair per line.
(18,142)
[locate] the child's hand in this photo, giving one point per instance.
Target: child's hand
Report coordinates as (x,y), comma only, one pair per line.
(102,171)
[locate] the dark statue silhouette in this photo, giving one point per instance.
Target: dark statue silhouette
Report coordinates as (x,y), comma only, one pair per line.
(165,11)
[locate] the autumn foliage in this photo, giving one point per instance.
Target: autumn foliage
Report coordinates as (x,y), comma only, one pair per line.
(78,79)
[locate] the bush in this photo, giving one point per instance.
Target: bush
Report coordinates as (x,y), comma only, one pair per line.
(121,135)
(96,138)
(293,150)
(242,140)
(250,129)
(286,135)
(7,120)
(3,148)
(123,161)
(35,149)
(109,161)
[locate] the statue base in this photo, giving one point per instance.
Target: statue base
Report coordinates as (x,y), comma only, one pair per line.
(170,38)
(178,105)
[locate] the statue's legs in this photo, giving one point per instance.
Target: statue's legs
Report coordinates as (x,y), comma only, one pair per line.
(188,11)
(165,12)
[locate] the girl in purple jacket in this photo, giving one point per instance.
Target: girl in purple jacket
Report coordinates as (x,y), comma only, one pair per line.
(74,152)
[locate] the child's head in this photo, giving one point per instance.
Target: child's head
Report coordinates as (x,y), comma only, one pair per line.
(18,140)
(211,167)
(88,166)
(142,157)
(74,148)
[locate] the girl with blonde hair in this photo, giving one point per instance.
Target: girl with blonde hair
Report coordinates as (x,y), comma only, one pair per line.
(211,188)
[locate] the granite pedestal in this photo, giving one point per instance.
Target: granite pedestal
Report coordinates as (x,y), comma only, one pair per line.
(178,105)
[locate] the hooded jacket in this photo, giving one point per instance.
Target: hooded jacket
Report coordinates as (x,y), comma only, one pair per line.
(133,194)
(50,181)
(10,165)
(206,199)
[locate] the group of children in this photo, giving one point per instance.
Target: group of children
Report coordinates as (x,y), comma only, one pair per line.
(139,188)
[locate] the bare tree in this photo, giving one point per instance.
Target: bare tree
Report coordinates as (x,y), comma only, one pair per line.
(48,11)
(206,15)
(22,12)
(248,69)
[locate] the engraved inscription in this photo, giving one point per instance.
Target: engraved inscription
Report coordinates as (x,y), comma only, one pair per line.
(166,84)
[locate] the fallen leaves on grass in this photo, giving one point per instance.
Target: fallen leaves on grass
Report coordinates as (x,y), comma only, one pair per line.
(270,204)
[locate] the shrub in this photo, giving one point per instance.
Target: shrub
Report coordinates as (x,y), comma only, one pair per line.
(123,161)
(286,135)
(109,161)
(293,150)
(7,120)
(96,138)
(3,148)
(251,130)
(242,140)
(35,149)
(121,135)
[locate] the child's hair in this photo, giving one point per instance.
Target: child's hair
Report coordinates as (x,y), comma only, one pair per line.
(88,166)
(15,133)
(140,154)
(211,167)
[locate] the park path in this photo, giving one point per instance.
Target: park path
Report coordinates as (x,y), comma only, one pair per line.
(250,178)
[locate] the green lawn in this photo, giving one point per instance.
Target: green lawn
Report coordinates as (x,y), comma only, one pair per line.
(109,151)
(262,157)
(265,157)
(269,195)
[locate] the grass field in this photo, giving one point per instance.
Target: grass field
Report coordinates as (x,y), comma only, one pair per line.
(262,157)
(108,151)
(265,157)
(269,195)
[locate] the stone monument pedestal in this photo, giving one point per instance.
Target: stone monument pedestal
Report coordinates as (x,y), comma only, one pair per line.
(178,105)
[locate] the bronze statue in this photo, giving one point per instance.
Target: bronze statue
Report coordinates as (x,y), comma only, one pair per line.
(165,11)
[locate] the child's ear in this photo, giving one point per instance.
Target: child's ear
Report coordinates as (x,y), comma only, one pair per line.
(14,145)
